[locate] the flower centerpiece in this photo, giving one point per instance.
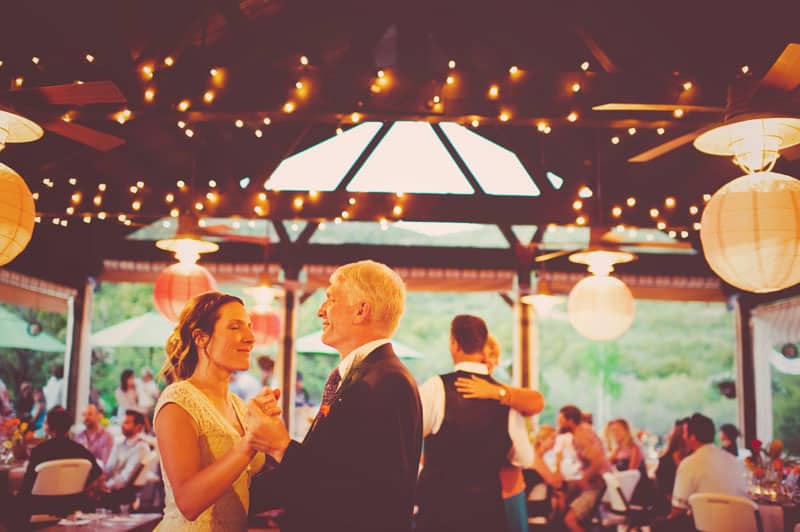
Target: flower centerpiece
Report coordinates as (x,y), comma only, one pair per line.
(768,467)
(17,434)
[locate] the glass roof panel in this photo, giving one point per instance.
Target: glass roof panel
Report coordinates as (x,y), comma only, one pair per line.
(403,233)
(497,169)
(524,233)
(323,165)
(410,159)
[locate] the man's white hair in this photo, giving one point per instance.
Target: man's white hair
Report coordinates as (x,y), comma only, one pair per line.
(379,286)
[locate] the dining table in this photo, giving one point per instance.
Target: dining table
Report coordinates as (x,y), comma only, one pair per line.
(102,522)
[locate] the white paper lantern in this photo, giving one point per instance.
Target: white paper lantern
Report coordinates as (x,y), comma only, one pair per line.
(750,231)
(601,307)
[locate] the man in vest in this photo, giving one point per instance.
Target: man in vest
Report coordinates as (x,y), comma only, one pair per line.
(466,443)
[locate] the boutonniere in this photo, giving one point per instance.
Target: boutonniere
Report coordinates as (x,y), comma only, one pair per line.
(324,409)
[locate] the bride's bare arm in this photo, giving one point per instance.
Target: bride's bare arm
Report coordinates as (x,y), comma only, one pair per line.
(195,489)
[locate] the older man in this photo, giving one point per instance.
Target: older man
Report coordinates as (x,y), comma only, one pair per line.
(94,437)
(357,466)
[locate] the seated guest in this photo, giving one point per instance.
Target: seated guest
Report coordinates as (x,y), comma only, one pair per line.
(57,447)
(727,436)
(94,437)
(540,472)
(125,458)
(707,469)
(671,456)
(624,453)
(584,493)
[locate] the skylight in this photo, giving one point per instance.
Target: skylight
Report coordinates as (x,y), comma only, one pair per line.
(323,165)
(555,180)
(410,159)
(497,169)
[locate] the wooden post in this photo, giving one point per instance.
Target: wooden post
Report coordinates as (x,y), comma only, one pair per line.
(78,359)
(745,370)
(285,366)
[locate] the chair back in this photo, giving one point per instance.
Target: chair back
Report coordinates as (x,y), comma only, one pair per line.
(66,476)
(620,486)
(720,512)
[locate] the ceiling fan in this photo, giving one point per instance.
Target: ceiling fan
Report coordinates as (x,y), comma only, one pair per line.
(608,247)
(23,110)
(769,106)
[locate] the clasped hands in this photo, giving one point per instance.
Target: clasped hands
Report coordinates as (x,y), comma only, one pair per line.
(264,428)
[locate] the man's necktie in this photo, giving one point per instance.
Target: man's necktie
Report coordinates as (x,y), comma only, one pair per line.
(331,385)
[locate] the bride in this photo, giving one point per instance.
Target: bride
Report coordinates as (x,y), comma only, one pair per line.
(208,438)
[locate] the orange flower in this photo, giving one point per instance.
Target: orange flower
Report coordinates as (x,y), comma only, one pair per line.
(324,409)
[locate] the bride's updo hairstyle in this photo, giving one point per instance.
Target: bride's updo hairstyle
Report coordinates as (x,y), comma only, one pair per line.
(199,314)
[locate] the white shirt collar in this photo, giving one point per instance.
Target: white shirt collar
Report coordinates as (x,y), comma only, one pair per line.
(472,367)
(357,354)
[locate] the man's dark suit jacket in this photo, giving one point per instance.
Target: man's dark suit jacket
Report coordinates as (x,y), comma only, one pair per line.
(356,470)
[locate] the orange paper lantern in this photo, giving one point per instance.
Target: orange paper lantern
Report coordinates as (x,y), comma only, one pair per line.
(177,284)
(17,214)
(751,232)
(600,307)
(266,326)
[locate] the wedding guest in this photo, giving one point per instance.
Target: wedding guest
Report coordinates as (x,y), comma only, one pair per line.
(267,367)
(126,394)
(58,446)
(583,493)
(708,469)
(54,393)
(624,453)
(728,434)
(674,453)
(122,465)
(94,437)
(208,438)
(525,401)
(467,441)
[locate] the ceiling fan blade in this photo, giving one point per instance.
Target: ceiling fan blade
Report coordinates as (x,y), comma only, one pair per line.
(784,75)
(656,107)
(76,93)
(90,137)
(668,146)
(554,254)
(791,154)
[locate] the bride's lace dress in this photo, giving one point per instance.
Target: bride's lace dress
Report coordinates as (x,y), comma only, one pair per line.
(217,436)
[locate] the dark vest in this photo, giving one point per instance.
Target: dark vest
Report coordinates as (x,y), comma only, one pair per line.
(462,461)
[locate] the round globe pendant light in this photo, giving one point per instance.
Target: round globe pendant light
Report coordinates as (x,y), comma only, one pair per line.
(600,307)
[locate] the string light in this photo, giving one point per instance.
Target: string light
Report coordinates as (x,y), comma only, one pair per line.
(616,212)
(267,121)
(212,183)
(101,215)
(184,105)
(136,205)
(35,60)
(355,117)
(101,187)
(654,213)
(504,116)
(181,124)
(630,202)
(669,202)
(660,131)
(149,95)
(576,87)
(475,123)
(239,123)
(494,92)
(170,197)
(661,226)
(72,181)
(97,200)
(18,82)
(687,85)
(696,226)
(298,203)
(304,60)
(580,220)
(181,184)
(450,80)
(208,96)
(745,69)
(289,107)
(678,113)
(615,140)
(397,210)
(585,66)
(451,64)
(89,58)
(585,192)
(188,132)
(572,117)
(631,131)
(693,209)
(258,133)
(213,72)
(169,61)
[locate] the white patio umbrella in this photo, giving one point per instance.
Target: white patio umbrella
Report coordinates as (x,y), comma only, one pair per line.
(14,334)
(148,330)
